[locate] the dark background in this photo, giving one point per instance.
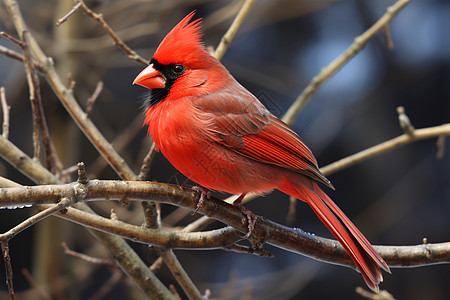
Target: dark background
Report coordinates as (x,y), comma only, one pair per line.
(397,198)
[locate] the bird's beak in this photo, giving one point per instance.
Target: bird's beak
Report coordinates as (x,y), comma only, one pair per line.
(150,78)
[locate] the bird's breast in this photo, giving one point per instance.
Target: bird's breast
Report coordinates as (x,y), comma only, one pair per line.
(181,133)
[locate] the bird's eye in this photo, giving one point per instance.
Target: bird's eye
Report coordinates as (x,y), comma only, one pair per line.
(178,69)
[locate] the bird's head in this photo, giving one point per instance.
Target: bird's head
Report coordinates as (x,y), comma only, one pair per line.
(181,62)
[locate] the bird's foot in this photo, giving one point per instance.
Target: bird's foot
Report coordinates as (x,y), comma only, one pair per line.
(204,192)
(251,217)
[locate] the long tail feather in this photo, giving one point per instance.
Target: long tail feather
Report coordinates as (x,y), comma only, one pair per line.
(366,259)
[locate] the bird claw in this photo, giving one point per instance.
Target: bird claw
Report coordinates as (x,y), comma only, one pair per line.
(204,192)
(251,217)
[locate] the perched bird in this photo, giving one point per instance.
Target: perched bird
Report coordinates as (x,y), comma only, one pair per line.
(220,136)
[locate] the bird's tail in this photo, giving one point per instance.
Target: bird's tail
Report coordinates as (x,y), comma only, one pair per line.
(366,259)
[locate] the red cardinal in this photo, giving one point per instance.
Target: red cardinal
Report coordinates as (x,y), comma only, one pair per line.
(220,136)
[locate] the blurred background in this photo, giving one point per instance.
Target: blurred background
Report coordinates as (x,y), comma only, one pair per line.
(397,198)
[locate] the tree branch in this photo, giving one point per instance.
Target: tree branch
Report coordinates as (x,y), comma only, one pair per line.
(63,203)
(417,134)
(231,32)
(5,109)
(294,240)
(117,41)
(8,268)
(326,73)
(17,56)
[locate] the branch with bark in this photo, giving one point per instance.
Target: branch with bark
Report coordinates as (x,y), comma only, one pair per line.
(265,231)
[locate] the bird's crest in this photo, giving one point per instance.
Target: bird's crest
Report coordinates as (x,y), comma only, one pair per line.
(182,44)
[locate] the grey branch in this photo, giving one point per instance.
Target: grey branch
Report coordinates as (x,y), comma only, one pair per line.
(278,235)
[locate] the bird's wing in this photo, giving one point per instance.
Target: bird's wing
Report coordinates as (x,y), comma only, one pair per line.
(240,122)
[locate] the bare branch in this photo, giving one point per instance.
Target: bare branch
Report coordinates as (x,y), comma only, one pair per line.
(8,268)
(145,168)
(340,61)
(34,170)
(39,120)
(120,143)
(65,202)
(440,143)
(156,264)
(70,82)
(5,109)
(91,100)
(387,37)
(87,258)
(231,32)
(20,43)
(63,19)
(265,230)
(180,275)
(117,41)
(34,91)
(394,143)
(17,56)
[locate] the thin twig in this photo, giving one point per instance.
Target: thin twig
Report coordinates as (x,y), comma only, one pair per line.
(387,37)
(69,170)
(20,43)
(440,143)
(8,268)
(120,142)
(63,19)
(419,134)
(340,61)
(198,224)
(145,168)
(91,100)
(156,264)
(180,275)
(174,291)
(117,41)
(65,202)
(70,82)
(5,109)
(32,89)
(231,32)
(40,123)
(87,258)
(17,56)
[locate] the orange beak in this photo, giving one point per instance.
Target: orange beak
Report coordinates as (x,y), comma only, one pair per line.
(150,78)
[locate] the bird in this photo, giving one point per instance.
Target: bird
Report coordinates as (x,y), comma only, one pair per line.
(220,136)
